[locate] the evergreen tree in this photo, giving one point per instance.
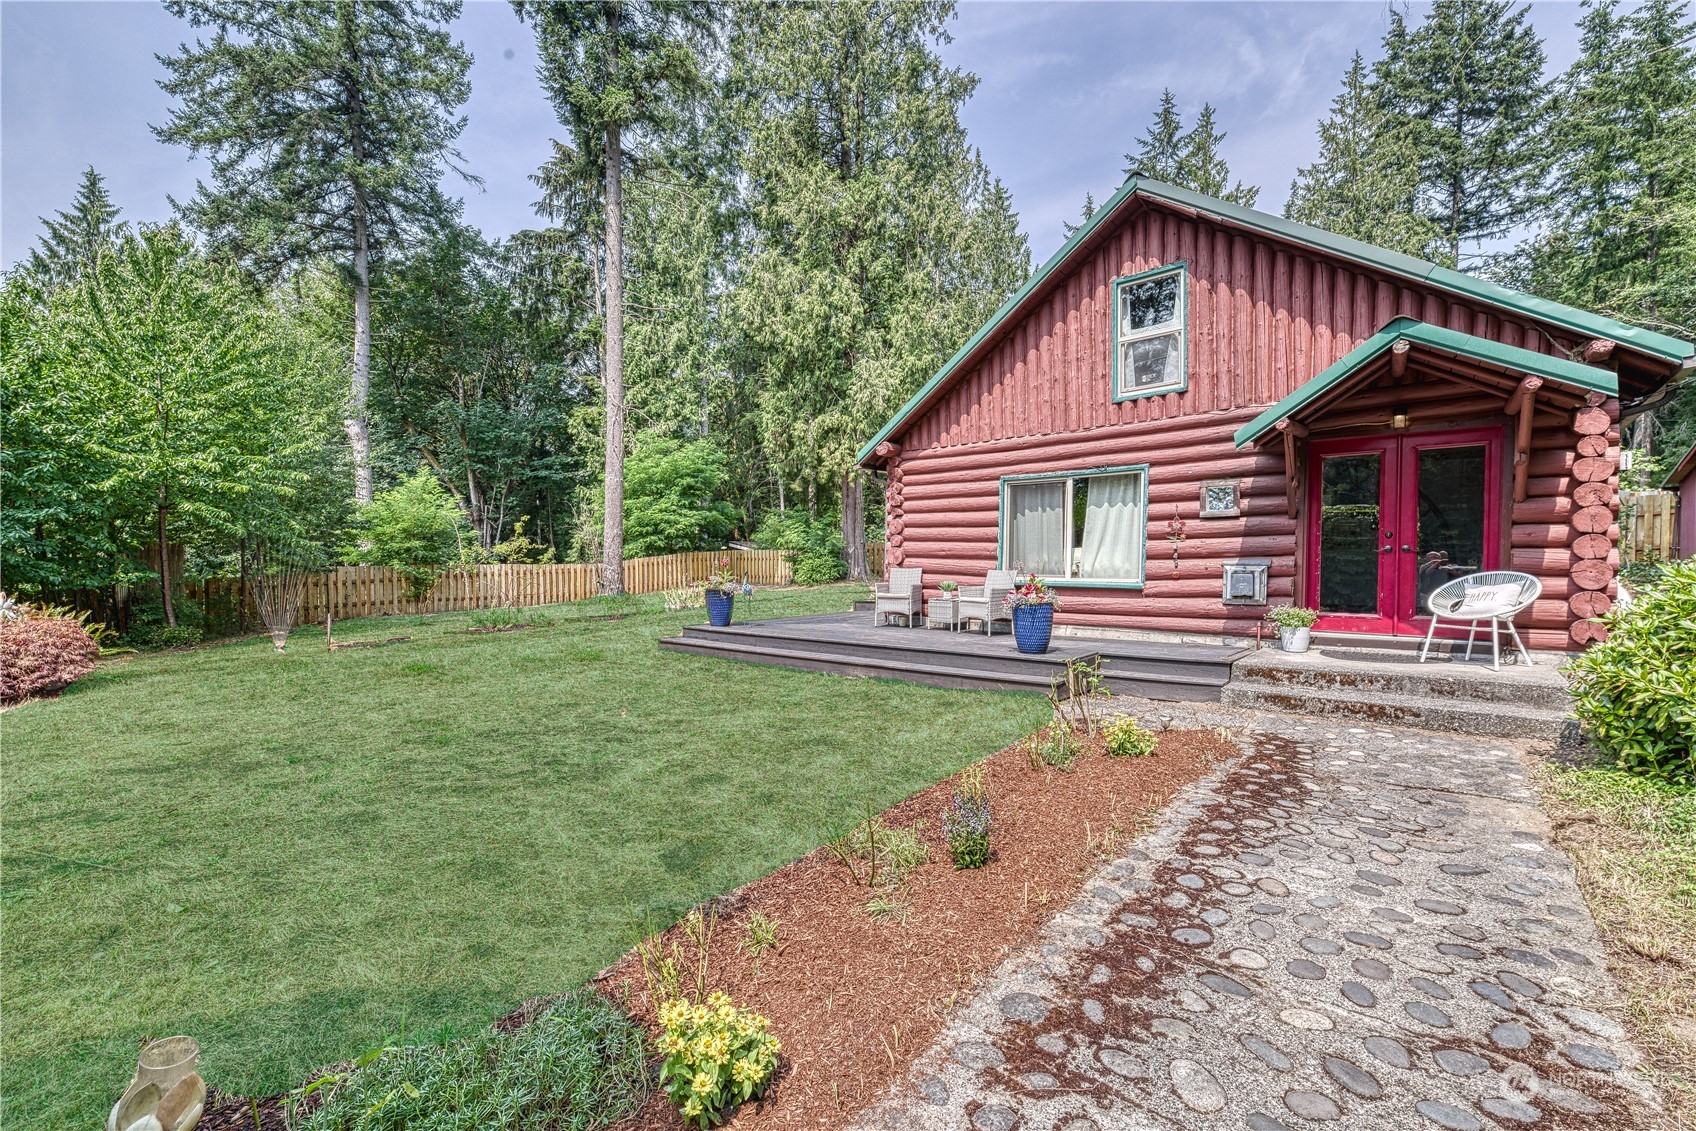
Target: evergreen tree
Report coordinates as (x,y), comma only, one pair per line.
(879,241)
(616,71)
(1363,183)
(328,126)
(1187,158)
(1621,231)
(1088,211)
(1466,87)
(74,241)
(1202,168)
(1160,153)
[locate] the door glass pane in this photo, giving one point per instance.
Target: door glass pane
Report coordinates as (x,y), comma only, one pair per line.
(1451,516)
(1348,533)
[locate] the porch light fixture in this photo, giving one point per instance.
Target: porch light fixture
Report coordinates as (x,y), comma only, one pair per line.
(1398,419)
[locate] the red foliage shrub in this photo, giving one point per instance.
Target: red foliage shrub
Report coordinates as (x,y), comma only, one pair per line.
(41,655)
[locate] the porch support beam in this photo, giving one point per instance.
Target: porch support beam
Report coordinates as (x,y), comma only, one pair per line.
(1292,433)
(1398,359)
(1523,404)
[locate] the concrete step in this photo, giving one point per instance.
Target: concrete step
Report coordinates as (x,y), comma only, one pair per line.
(1493,719)
(1359,674)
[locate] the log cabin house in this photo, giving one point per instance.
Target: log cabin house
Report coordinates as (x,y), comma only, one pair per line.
(1194,410)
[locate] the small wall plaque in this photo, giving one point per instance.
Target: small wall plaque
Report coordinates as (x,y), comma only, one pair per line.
(1219,498)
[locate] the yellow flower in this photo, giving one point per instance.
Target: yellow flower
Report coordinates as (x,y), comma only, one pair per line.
(702,1083)
(718,999)
(674,1043)
(691,1108)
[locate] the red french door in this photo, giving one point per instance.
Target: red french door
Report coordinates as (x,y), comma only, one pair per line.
(1391,518)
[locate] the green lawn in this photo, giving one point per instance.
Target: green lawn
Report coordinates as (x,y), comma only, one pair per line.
(290,857)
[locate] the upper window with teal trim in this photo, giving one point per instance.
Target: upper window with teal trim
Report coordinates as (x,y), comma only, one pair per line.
(1149,323)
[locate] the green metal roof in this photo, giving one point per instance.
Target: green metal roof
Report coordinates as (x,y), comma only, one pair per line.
(1586,377)
(1648,342)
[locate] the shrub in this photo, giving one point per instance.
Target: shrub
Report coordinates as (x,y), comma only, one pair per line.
(814,544)
(1635,693)
(890,855)
(42,655)
(715,1055)
(1292,616)
(581,1064)
(1055,746)
(1126,738)
(414,529)
(672,498)
(966,822)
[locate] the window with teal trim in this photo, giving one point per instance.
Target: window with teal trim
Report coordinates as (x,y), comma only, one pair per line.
(1078,528)
(1149,333)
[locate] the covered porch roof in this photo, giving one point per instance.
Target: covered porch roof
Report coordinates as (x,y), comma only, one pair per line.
(1407,345)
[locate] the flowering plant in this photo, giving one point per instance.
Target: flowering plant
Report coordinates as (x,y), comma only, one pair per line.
(965,823)
(723,580)
(1032,591)
(1292,616)
(715,1055)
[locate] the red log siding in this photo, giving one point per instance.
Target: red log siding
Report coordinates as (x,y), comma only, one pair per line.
(1263,318)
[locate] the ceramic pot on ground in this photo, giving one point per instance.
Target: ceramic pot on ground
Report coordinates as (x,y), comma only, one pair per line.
(1032,627)
(719,603)
(1295,639)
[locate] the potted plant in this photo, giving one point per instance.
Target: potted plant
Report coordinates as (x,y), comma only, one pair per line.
(1295,626)
(721,594)
(1032,604)
(949,588)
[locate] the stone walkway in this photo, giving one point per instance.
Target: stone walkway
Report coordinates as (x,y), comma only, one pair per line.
(1361,927)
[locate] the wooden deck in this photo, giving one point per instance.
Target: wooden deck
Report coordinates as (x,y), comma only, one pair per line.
(848,644)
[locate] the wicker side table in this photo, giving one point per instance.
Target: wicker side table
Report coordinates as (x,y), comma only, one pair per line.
(943,612)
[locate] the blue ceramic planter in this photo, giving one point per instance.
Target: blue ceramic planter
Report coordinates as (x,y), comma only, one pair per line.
(718,607)
(1032,626)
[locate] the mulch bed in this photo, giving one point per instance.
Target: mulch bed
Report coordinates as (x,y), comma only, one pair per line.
(854,999)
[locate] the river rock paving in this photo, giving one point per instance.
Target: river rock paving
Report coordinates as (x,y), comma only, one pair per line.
(1345,926)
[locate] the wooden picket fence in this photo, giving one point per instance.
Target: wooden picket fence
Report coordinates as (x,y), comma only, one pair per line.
(1650,532)
(368,591)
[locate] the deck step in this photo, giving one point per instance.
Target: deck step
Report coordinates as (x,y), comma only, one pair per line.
(937,667)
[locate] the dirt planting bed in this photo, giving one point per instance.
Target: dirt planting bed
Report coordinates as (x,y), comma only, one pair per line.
(854,998)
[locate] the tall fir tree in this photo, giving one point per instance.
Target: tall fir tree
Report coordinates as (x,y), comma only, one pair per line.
(1086,212)
(1203,168)
(1187,158)
(1620,235)
(1364,181)
(73,242)
(878,238)
(616,71)
(1466,90)
(329,126)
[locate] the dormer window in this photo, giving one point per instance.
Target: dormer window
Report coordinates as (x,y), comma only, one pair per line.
(1149,322)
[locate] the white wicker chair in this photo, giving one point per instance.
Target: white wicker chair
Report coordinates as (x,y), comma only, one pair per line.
(988,602)
(902,595)
(1448,602)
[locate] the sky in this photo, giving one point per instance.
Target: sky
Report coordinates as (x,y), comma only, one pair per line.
(1065,90)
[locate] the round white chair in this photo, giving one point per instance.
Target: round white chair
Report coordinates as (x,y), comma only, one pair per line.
(1497,597)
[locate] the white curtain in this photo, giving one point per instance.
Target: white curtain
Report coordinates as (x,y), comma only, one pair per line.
(1113,528)
(1036,539)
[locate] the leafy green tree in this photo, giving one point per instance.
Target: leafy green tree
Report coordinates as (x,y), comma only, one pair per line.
(616,71)
(671,501)
(1466,86)
(1364,181)
(878,239)
(328,126)
(414,528)
(193,406)
(76,238)
(467,381)
(1187,158)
